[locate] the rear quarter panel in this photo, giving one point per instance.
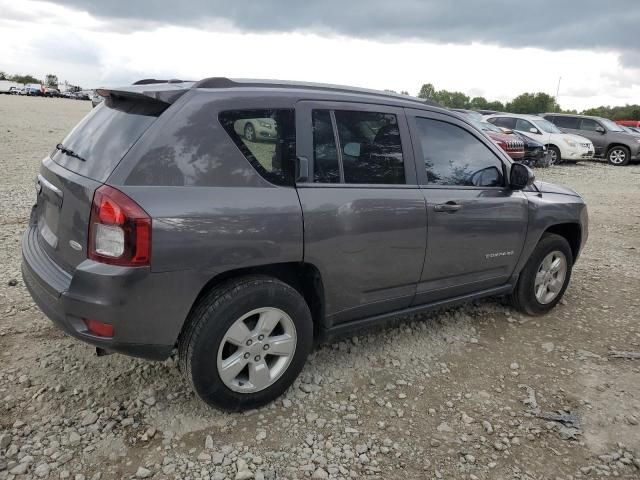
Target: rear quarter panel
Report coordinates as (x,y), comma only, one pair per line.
(211,210)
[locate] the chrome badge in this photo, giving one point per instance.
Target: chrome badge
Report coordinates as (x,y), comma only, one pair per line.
(75,245)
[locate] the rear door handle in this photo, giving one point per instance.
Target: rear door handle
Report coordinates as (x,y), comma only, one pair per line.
(447,207)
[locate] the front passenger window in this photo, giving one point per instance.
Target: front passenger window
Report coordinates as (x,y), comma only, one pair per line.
(453,156)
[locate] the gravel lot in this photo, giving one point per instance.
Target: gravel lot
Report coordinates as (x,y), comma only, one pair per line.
(476,392)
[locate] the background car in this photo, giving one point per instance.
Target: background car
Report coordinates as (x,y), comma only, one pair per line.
(629,123)
(51,92)
(95,99)
(510,143)
(609,139)
(562,147)
(257,129)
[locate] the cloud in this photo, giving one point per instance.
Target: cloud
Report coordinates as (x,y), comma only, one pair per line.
(547,24)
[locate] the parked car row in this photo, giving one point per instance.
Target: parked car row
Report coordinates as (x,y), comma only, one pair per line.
(565,137)
(37,90)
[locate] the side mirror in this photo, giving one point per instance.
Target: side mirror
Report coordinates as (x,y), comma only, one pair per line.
(520,177)
(534,130)
(600,129)
(352,149)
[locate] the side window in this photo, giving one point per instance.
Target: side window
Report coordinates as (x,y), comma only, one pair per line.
(370,147)
(325,154)
(523,125)
(504,122)
(588,124)
(267,138)
(564,122)
(453,156)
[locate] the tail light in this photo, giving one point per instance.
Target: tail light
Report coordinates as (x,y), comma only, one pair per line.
(119,230)
(99,329)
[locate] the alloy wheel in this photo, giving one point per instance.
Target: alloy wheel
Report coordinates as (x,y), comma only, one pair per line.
(550,277)
(617,156)
(256,350)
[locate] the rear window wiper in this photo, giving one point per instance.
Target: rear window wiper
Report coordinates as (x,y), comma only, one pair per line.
(69,152)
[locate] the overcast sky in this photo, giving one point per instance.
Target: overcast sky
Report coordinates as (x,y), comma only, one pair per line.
(493,48)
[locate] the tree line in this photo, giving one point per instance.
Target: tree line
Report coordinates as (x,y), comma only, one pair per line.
(50,80)
(532,103)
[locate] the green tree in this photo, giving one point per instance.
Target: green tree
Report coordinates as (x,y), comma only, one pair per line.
(51,80)
(427,91)
(496,105)
(24,79)
(478,103)
(3,76)
(532,103)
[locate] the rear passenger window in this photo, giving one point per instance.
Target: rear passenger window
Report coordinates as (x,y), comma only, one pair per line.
(564,122)
(370,147)
(326,168)
(504,122)
(452,156)
(267,138)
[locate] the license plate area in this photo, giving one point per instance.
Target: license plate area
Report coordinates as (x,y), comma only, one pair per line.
(48,208)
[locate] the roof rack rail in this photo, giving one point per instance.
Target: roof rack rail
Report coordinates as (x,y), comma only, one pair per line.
(150,81)
(224,82)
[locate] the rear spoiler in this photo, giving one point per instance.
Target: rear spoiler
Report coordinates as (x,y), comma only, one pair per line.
(159,93)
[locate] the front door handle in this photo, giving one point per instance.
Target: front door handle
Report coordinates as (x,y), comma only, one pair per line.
(449,207)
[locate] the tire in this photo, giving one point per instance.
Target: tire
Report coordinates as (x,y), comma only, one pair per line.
(618,155)
(205,345)
(524,297)
(250,132)
(555,158)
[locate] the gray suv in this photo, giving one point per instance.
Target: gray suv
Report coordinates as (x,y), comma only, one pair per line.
(610,140)
(161,224)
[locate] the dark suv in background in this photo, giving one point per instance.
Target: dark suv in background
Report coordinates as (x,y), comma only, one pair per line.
(610,140)
(161,223)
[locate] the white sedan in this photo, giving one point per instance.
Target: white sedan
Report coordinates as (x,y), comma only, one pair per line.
(563,147)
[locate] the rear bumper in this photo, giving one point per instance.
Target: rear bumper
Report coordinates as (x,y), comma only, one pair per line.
(147,310)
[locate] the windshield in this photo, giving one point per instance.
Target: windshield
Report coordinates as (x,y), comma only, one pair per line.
(546,126)
(611,126)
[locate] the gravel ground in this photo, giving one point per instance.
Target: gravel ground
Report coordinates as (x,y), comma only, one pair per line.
(476,392)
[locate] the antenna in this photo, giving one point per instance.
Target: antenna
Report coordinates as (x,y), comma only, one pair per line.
(555,109)
(556,106)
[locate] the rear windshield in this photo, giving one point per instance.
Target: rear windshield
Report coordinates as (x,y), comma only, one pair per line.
(103,137)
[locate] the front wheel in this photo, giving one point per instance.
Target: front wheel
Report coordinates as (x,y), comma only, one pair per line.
(545,277)
(246,342)
(555,158)
(618,155)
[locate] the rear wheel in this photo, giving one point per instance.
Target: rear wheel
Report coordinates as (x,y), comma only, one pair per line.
(250,132)
(545,277)
(246,342)
(618,155)
(554,155)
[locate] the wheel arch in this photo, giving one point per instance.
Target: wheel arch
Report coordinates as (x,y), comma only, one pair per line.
(302,276)
(616,144)
(572,232)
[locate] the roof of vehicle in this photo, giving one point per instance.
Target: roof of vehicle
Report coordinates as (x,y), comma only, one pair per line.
(168,90)
(524,116)
(573,115)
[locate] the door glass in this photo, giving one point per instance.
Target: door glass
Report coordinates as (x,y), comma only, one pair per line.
(325,153)
(453,156)
(523,125)
(504,122)
(588,125)
(267,138)
(371,149)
